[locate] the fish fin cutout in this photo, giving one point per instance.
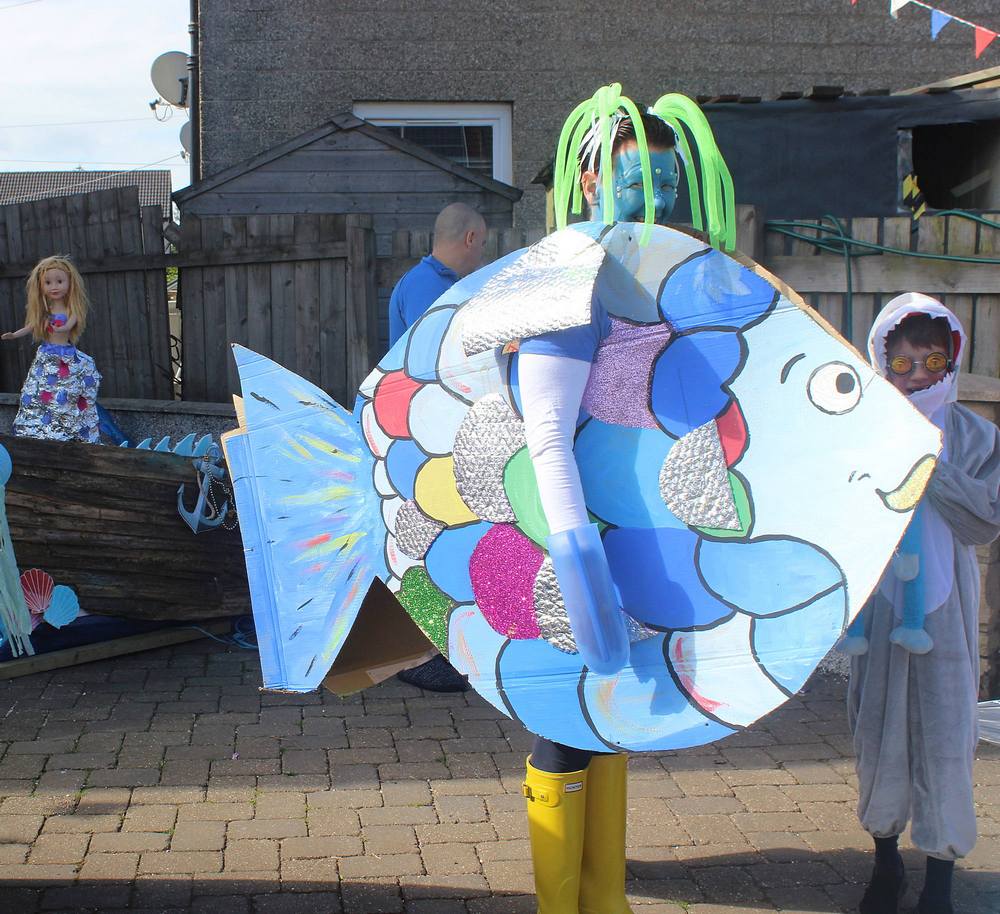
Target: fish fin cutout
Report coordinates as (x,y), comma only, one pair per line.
(309,516)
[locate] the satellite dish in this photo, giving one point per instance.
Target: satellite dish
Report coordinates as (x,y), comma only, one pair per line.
(186,137)
(170,78)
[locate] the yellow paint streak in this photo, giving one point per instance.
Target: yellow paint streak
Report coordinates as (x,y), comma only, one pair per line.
(606,693)
(320,496)
(327,448)
(337,635)
(301,451)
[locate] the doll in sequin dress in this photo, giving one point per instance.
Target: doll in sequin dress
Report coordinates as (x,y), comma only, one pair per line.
(59,395)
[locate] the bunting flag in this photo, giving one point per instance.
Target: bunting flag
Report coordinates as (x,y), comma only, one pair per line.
(938,21)
(984,37)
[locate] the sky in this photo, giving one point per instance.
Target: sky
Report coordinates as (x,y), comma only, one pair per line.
(84,65)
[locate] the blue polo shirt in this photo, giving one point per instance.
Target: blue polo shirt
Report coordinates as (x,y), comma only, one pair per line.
(418,289)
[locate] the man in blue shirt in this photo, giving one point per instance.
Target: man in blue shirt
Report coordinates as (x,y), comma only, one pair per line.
(459,243)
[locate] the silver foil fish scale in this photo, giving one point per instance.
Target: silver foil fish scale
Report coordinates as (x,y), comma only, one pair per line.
(414,530)
(694,481)
(547,288)
(553,620)
(490,434)
(550,611)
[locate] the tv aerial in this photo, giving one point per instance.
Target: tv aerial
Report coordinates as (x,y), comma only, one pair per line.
(169,74)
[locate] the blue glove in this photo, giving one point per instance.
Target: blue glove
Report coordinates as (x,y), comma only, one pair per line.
(595,614)
(911,635)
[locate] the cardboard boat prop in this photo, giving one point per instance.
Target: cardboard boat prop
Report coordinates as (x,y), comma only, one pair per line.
(98,535)
(732,448)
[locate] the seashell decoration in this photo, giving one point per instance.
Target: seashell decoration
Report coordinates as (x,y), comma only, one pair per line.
(63,608)
(37,587)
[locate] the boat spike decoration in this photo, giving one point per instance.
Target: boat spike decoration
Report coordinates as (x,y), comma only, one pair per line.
(188,446)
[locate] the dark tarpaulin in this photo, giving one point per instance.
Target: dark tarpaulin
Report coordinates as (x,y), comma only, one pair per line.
(802,159)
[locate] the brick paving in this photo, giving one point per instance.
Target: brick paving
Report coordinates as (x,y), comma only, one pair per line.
(166,782)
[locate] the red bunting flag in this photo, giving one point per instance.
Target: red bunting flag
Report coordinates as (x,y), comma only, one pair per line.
(984,38)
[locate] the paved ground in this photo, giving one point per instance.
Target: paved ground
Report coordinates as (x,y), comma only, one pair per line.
(165,782)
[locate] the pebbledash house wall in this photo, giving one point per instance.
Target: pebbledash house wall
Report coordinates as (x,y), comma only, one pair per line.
(271,69)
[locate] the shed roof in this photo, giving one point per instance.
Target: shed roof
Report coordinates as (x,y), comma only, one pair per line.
(24,186)
(978,79)
(345,121)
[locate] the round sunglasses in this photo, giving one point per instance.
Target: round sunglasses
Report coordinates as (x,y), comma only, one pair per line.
(935,363)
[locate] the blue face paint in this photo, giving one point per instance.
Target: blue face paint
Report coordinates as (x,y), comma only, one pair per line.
(630,203)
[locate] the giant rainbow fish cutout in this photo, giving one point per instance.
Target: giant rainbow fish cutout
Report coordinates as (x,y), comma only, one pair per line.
(750,473)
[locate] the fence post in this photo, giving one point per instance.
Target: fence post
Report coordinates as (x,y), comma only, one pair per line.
(362,300)
(750,231)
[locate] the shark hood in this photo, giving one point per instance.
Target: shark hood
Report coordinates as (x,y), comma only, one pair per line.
(896,310)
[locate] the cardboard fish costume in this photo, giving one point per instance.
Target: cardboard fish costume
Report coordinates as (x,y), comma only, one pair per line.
(724,452)
(724,449)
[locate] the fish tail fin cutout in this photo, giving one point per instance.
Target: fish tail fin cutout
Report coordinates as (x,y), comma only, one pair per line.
(302,479)
(713,208)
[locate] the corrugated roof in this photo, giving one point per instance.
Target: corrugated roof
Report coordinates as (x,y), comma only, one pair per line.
(23,186)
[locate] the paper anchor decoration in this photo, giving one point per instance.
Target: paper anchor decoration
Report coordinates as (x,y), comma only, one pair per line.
(732,448)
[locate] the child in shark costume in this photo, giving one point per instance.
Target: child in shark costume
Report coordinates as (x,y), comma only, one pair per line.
(913,712)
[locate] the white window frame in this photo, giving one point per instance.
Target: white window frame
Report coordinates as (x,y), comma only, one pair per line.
(450,114)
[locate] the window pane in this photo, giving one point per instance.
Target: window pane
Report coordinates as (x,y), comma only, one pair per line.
(471,146)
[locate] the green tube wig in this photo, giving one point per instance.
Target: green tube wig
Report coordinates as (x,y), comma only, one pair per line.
(712,200)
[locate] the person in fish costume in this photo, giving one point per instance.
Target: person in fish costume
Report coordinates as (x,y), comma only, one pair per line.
(623,480)
(914,686)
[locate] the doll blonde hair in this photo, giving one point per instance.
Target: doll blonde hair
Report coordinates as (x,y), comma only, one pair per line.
(75,304)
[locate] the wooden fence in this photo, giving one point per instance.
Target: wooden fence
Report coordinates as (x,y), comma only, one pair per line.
(299,289)
(307,290)
(408,247)
(118,247)
(971,290)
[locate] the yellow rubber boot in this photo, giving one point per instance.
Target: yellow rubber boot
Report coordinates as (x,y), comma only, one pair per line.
(557,806)
(602,873)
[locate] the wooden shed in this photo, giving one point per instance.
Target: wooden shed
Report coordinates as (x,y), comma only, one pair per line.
(284,204)
(344,166)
